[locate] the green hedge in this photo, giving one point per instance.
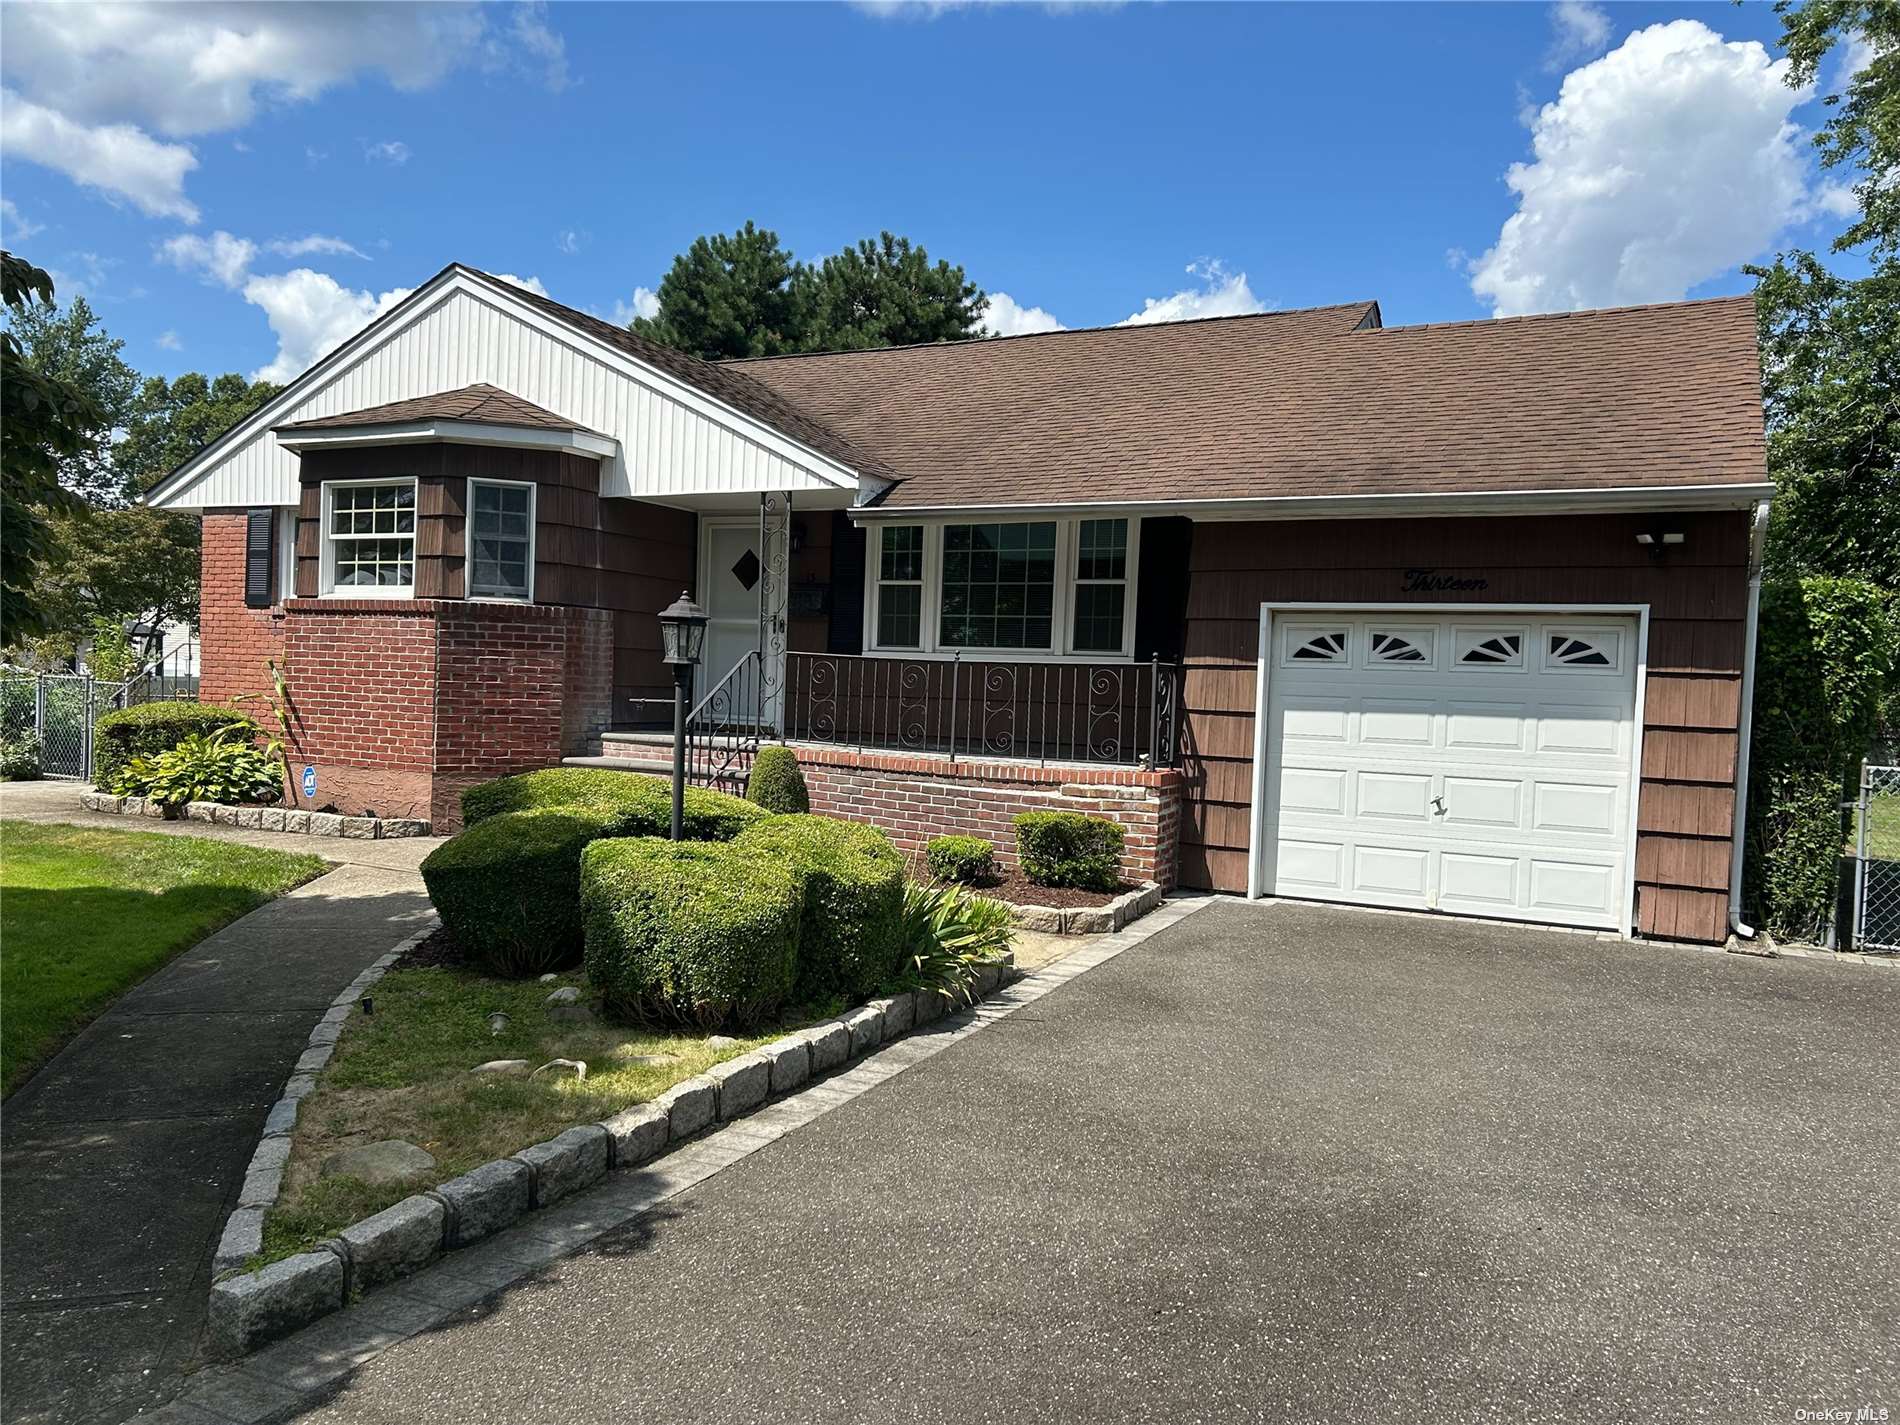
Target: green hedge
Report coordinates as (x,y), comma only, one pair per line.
(1066,848)
(966,860)
(690,932)
(152,728)
(776,782)
(508,888)
(850,936)
(1825,657)
(638,805)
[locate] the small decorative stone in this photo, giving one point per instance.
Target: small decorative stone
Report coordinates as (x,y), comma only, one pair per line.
(562,1068)
(549,978)
(566,994)
(502,1068)
(389,1163)
(497,1022)
(721,1041)
(653,1061)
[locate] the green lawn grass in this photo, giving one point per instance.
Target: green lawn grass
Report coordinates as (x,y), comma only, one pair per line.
(1883,828)
(85,915)
(402,1071)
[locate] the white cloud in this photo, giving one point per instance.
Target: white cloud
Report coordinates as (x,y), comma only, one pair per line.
(1834,199)
(1660,165)
(388,151)
(932,9)
(1579,30)
(168,341)
(529,45)
(1003,315)
(222,258)
(18,226)
(570,242)
(1221,294)
(312,315)
(645,303)
(119,160)
(88,280)
(315,245)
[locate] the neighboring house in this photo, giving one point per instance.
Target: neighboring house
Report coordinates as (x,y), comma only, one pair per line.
(1448,617)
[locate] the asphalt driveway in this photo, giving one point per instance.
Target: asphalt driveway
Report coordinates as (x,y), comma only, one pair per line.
(1275,1163)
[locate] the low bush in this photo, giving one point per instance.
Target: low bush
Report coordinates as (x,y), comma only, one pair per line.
(225,766)
(966,860)
(853,880)
(1066,848)
(638,805)
(948,934)
(508,888)
(19,757)
(690,932)
(776,783)
(152,728)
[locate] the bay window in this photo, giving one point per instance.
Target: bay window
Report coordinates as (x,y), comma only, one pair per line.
(369,538)
(1040,588)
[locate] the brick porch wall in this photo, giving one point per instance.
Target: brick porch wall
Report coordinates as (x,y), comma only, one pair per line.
(235,642)
(916,798)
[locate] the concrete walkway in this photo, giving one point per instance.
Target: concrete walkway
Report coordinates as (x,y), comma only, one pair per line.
(122,1157)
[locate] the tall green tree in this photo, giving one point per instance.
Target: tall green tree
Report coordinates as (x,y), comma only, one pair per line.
(167,422)
(44,422)
(730,295)
(1863,132)
(743,295)
(67,344)
(887,293)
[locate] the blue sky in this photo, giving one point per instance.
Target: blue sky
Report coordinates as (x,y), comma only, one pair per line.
(1079,160)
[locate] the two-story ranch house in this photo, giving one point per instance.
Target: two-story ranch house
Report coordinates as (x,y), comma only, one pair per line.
(1450,618)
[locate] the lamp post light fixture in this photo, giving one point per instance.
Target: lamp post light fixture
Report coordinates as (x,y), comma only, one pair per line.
(682,635)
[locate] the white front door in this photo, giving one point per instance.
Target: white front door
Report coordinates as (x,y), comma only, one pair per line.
(1473,763)
(733,578)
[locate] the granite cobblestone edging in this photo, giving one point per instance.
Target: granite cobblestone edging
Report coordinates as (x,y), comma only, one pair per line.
(1088,920)
(247,1310)
(262,818)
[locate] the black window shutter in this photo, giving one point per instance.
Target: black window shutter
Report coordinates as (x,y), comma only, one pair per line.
(260,549)
(1161,587)
(846,634)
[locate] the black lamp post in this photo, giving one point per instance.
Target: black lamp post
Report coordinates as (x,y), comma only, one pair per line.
(682,633)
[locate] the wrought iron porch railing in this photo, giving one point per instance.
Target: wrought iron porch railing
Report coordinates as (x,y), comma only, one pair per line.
(724,727)
(1116,713)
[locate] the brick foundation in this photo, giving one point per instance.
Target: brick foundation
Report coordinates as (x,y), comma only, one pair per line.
(916,798)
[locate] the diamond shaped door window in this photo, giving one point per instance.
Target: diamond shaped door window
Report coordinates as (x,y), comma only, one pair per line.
(746,570)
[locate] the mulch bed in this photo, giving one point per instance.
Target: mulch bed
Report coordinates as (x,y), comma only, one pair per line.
(439,951)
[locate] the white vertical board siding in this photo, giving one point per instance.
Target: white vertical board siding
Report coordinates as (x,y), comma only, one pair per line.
(667,449)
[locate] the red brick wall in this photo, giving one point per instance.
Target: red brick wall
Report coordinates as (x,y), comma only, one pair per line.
(235,642)
(916,798)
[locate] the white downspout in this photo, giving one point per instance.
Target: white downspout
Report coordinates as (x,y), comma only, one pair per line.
(1756,537)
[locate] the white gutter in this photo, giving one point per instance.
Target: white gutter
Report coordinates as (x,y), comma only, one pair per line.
(572,440)
(1756,537)
(1305,507)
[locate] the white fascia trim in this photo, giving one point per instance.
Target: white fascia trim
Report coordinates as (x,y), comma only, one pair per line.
(1306,507)
(423,301)
(574,442)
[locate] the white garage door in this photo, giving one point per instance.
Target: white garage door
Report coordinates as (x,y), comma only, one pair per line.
(1476,764)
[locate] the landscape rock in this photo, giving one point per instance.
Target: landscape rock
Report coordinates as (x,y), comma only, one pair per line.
(690,1106)
(790,1061)
(566,994)
(653,1060)
(562,1068)
(637,1135)
(502,1068)
(484,1200)
(389,1163)
(744,1084)
(567,1162)
(497,1022)
(867,1028)
(549,978)
(247,1310)
(396,1242)
(721,1041)
(830,1044)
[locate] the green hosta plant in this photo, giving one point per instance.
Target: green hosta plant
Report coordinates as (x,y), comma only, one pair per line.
(949,935)
(223,766)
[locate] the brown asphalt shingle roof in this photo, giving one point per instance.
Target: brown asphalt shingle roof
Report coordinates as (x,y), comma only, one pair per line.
(1302,403)
(480,403)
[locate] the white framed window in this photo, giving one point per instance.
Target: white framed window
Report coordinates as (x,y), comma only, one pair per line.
(501,540)
(1043,588)
(369,538)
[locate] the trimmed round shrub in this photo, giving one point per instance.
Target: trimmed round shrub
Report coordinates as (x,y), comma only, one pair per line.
(689,932)
(638,805)
(850,937)
(776,783)
(967,860)
(508,889)
(152,728)
(1066,848)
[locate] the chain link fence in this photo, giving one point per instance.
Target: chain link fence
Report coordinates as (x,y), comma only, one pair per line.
(1877,861)
(59,711)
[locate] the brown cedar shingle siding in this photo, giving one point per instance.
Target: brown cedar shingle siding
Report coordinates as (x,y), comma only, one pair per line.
(1301,404)
(1698,600)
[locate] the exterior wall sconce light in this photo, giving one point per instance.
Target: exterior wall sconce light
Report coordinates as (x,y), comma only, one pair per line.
(1656,543)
